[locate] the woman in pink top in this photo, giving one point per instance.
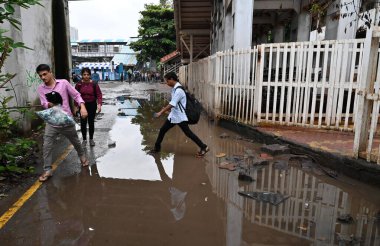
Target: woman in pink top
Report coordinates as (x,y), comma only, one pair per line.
(92,96)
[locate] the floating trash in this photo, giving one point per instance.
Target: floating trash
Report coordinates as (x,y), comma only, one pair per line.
(245,177)
(345,219)
(267,197)
(345,239)
(112,144)
(220,155)
(266,156)
(228,166)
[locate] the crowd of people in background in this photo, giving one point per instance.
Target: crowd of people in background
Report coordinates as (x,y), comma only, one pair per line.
(128,76)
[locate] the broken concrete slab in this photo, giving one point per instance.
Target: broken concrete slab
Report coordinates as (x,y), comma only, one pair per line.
(276,149)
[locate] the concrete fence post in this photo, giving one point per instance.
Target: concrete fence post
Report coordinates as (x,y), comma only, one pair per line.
(366,86)
(218,78)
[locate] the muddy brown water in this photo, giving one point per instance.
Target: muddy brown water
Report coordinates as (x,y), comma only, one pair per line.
(130,197)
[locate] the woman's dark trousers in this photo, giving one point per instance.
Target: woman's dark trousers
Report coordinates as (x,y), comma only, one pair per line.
(91,108)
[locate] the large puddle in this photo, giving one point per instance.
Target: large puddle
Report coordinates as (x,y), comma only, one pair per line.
(319,209)
(132,198)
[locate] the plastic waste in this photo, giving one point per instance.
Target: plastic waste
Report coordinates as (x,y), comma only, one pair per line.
(267,197)
(55,116)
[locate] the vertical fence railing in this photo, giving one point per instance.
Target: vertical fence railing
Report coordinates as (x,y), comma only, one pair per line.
(308,84)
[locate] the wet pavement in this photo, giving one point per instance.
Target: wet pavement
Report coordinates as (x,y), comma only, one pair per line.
(129,197)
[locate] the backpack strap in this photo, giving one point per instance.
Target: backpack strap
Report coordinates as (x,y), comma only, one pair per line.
(180,104)
(95,94)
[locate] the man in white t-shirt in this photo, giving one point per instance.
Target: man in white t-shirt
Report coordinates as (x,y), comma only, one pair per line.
(177,116)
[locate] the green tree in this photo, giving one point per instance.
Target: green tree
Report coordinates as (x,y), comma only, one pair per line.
(156,32)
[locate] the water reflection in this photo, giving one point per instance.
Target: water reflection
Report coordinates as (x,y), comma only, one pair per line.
(311,211)
(129,159)
(308,216)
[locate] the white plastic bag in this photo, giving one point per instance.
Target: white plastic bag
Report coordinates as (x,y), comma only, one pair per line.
(55,116)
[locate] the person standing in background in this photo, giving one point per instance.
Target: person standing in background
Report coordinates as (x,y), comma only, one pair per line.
(92,96)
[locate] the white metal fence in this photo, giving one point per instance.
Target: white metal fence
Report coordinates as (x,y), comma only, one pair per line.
(308,84)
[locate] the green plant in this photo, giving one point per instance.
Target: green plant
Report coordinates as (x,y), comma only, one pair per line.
(14,150)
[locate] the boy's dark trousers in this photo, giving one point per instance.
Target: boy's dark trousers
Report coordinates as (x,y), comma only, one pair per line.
(184,127)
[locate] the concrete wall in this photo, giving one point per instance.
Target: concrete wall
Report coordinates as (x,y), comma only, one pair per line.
(343,28)
(37,34)
(243,17)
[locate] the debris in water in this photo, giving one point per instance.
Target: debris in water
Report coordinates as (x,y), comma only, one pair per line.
(91,229)
(302,228)
(203,183)
(224,135)
(260,162)
(250,153)
(345,219)
(112,144)
(245,177)
(228,166)
(307,204)
(220,155)
(3,195)
(348,239)
(206,199)
(266,156)
(267,197)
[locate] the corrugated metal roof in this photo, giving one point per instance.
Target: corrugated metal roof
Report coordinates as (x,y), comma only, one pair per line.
(128,56)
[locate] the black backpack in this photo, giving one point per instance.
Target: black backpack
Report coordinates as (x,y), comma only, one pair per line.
(193,107)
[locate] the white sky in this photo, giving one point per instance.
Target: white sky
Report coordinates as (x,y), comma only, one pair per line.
(105,19)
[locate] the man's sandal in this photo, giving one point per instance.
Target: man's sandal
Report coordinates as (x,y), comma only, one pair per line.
(202,152)
(45,176)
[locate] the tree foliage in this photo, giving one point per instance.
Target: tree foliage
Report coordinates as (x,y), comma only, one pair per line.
(318,10)
(156,32)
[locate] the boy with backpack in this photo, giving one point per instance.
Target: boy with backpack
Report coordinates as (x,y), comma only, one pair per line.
(178,115)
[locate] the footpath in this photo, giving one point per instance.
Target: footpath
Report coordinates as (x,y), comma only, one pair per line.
(331,149)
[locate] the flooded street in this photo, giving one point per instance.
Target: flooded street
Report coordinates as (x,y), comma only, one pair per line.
(130,197)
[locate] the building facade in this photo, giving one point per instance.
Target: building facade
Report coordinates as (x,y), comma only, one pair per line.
(45,30)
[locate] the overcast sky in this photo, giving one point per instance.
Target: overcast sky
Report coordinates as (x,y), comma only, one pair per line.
(106,18)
